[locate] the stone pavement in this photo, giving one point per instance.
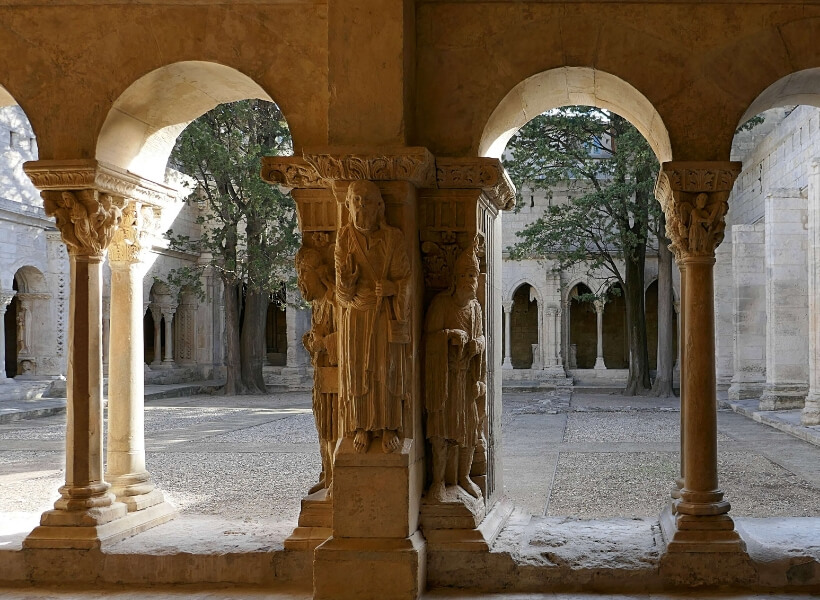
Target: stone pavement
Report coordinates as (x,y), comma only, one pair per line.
(784,420)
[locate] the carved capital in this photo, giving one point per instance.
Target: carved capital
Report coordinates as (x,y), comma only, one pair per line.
(507,306)
(694,197)
(86,219)
(87,196)
(599,305)
(6,297)
(131,239)
(486,174)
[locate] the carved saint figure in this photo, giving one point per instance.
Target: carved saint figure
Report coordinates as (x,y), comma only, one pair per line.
(22,346)
(316,282)
(454,376)
(701,224)
(373,288)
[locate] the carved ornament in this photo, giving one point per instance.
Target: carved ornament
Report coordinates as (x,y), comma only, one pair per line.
(486,174)
(290,172)
(86,219)
(132,238)
(6,297)
(694,197)
(414,164)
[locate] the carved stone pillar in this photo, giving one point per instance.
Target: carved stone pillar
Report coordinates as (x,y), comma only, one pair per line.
(168,313)
(508,306)
(156,315)
(6,297)
(694,198)
(599,324)
(811,410)
(130,480)
(86,197)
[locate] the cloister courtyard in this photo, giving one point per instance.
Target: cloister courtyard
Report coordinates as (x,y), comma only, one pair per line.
(593,469)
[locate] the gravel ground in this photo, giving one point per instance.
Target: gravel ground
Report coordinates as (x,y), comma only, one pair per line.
(253,458)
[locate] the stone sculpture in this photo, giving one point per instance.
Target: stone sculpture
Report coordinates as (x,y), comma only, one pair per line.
(316,282)
(373,287)
(455,376)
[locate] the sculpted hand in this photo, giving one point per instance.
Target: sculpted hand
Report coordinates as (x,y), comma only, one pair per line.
(457,337)
(349,273)
(385,288)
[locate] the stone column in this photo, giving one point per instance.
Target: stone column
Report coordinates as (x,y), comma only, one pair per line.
(130,481)
(787,302)
(156,314)
(749,315)
(677,357)
(106,329)
(168,313)
(599,314)
(507,306)
(811,410)
(6,297)
(694,198)
(87,217)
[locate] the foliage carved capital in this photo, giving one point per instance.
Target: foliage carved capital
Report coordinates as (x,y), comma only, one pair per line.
(132,238)
(694,197)
(486,174)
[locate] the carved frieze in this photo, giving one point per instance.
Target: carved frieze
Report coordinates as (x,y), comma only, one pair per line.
(291,172)
(486,174)
(694,197)
(415,165)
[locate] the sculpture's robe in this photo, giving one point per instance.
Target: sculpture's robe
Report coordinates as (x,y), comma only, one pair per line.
(373,333)
(322,343)
(452,375)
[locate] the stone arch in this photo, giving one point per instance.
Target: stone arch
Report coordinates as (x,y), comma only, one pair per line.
(28,327)
(525,326)
(800,87)
(144,122)
(567,86)
(511,290)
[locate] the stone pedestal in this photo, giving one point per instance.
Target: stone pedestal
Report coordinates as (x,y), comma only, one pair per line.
(461,522)
(375,526)
(315,522)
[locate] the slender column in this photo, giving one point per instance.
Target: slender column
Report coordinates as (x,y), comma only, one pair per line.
(811,411)
(6,297)
(130,481)
(679,482)
(677,356)
(599,314)
(156,313)
(694,198)
(106,328)
(508,306)
(168,314)
(86,219)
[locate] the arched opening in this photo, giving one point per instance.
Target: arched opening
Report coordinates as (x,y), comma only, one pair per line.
(276,333)
(583,328)
(524,327)
(616,347)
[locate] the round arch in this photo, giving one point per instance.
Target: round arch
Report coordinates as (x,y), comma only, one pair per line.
(801,87)
(6,99)
(30,280)
(143,124)
(567,86)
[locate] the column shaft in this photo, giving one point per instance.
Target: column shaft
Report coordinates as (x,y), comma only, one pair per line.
(507,364)
(169,336)
(157,315)
(599,324)
(811,411)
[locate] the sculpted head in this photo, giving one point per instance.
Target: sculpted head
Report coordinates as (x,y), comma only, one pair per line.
(312,273)
(365,204)
(700,200)
(466,272)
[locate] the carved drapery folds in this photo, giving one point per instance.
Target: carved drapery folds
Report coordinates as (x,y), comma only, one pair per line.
(694,197)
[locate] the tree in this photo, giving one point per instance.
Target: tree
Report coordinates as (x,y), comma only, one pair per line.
(248,227)
(606,227)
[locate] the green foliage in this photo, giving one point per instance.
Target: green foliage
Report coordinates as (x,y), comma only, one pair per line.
(610,170)
(249,229)
(750,124)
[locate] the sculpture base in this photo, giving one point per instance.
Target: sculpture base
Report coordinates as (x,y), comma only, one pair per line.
(86,537)
(365,569)
(315,522)
(460,523)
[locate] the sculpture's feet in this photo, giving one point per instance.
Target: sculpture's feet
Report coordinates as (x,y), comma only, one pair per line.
(470,487)
(436,492)
(317,487)
(390,441)
(361,440)
(329,493)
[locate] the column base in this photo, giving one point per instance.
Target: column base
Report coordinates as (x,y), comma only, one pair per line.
(699,534)
(460,522)
(783,397)
(315,522)
(811,410)
(135,490)
(742,390)
(358,569)
(507,364)
(599,364)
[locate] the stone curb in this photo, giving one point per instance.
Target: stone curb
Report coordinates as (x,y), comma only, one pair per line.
(772,419)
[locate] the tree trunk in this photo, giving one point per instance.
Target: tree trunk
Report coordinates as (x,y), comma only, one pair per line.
(662,387)
(253,341)
(233,383)
(638,381)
